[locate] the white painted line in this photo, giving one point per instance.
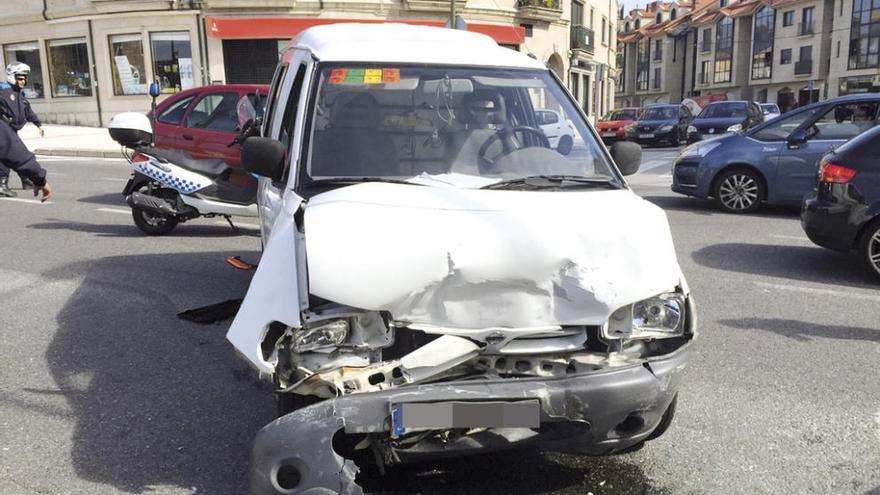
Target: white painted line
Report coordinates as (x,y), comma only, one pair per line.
(824,292)
(114,210)
(791,237)
(237,224)
(24,200)
(113,179)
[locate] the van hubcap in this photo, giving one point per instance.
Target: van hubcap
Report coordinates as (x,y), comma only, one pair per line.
(739,192)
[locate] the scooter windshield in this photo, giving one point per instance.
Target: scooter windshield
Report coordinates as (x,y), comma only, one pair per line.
(464,127)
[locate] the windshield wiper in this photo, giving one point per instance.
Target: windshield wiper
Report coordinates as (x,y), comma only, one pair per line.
(356,180)
(533,182)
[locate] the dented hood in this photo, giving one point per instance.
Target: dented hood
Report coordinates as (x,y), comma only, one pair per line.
(471,258)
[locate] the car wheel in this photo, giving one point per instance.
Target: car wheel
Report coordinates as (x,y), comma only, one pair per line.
(739,191)
(870,248)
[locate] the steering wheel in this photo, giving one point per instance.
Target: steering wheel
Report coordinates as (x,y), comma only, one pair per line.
(508,144)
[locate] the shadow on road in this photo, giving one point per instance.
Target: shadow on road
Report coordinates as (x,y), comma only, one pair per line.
(155,400)
(803,331)
(117,230)
(110,199)
(805,263)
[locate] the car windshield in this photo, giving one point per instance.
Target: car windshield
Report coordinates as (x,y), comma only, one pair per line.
(723,110)
(438,125)
(620,115)
(659,113)
(769,108)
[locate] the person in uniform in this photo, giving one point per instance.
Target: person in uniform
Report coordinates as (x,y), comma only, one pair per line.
(15,112)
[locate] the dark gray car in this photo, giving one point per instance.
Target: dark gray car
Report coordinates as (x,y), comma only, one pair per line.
(776,161)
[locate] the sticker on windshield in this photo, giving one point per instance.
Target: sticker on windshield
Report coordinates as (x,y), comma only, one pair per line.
(364,76)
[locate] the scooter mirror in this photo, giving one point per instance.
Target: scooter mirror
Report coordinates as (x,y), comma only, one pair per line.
(246,112)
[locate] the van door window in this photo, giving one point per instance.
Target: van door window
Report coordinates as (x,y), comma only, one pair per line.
(277,82)
(288,121)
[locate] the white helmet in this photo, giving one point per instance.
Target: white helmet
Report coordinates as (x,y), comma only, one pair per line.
(16,68)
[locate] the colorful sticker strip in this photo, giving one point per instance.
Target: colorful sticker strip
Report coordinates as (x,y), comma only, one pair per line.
(364,76)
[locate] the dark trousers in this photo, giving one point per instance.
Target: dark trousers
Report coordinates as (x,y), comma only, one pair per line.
(15,155)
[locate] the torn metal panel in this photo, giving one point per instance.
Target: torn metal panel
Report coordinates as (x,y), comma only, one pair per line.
(464,258)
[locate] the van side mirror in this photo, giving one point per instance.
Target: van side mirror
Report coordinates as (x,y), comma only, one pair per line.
(797,138)
(627,155)
(264,157)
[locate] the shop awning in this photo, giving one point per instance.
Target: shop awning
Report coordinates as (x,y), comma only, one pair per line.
(285,28)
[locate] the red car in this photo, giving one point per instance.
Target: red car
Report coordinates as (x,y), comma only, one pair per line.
(611,126)
(203,121)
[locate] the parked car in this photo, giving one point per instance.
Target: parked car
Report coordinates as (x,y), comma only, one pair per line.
(660,123)
(721,117)
(771,110)
(203,121)
(559,131)
(421,248)
(775,162)
(612,126)
(843,211)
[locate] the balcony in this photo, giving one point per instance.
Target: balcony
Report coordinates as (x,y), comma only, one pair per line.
(582,39)
(805,28)
(803,67)
(540,10)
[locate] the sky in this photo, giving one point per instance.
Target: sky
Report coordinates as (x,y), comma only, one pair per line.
(631,4)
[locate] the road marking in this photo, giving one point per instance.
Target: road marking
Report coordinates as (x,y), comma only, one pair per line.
(113,179)
(648,165)
(32,201)
(791,237)
(114,210)
(824,292)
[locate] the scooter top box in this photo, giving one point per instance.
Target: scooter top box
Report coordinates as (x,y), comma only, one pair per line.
(131,129)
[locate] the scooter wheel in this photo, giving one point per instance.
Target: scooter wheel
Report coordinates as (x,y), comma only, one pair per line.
(153,223)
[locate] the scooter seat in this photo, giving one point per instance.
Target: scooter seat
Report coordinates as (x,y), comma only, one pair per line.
(210,167)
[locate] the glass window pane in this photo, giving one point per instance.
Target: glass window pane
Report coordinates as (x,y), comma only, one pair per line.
(844,121)
(69,68)
(215,112)
(127,64)
(28,53)
(174,114)
(172,61)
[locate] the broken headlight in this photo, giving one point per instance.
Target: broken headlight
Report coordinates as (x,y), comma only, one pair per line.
(656,317)
(329,334)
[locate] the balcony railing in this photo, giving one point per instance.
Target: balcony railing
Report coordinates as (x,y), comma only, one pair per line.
(541,10)
(805,28)
(803,67)
(582,38)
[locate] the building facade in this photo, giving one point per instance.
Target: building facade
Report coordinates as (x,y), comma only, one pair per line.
(92,59)
(789,52)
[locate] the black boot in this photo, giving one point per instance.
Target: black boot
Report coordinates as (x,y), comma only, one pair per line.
(5,192)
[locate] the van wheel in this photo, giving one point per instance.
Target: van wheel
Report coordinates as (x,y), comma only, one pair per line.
(870,248)
(739,191)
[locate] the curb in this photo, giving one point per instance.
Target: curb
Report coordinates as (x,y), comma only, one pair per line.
(78,152)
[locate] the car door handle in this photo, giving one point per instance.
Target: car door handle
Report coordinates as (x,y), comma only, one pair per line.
(188,137)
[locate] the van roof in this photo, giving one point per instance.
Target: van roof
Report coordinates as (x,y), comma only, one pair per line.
(403,43)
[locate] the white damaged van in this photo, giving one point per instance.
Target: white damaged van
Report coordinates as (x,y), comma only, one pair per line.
(442,277)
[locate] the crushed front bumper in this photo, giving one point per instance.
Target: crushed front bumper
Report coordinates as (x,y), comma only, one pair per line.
(592,413)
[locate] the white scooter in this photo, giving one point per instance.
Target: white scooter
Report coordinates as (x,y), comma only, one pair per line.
(168,187)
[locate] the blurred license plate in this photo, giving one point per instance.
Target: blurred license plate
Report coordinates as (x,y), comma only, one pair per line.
(415,416)
(646,136)
(608,134)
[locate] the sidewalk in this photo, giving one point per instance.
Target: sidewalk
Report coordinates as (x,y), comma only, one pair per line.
(67,140)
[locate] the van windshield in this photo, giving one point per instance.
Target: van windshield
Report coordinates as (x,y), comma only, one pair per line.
(462,127)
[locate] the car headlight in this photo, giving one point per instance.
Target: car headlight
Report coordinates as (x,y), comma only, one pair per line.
(657,317)
(692,129)
(699,149)
(735,128)
(665,128)
(329,334)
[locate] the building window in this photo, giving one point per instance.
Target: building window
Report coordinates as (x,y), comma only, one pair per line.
(69,68)
(785,56)
(722,3)
(706,45)
(529,29)
(621,68)
(575,78)
(603,30)
(787,18)
(626,27)
(673,14)
(643,50)
(762,50)
(127,64)
(657,74)
(658,50)
(638,23)
(659,18)
(172,61)
(723,50)
(577,14)
(807,18)
(28,53)
(592,17)
(864,41)
(705,72)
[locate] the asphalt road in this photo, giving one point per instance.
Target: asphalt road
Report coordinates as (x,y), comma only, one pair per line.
(103,390)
